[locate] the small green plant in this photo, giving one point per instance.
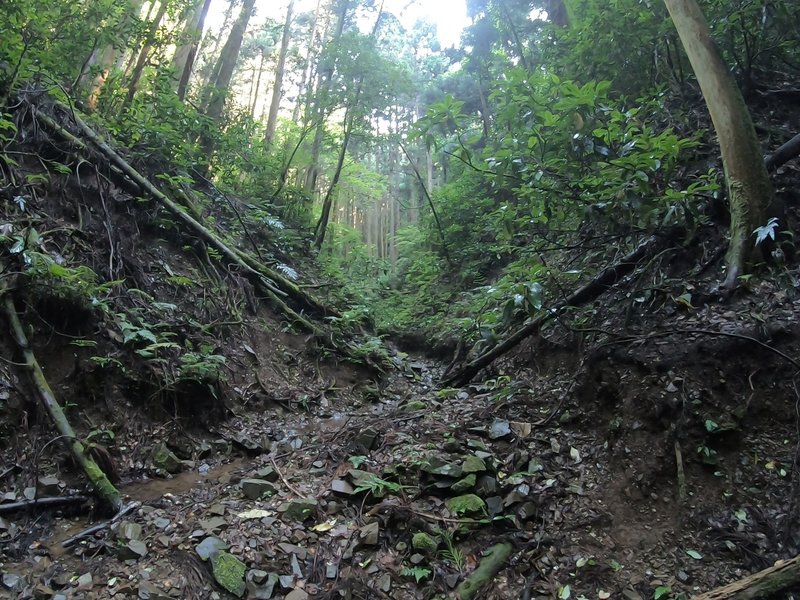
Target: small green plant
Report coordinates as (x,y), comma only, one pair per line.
(417,573)
(357,461)
(452,553)
(379,487)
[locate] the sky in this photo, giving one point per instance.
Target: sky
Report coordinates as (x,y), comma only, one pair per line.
(450,16)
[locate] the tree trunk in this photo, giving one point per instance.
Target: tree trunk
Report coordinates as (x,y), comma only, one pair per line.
(257,78)
(277,90)
(759,585)
(144,52)
(748,184)
(322,224)
(219,88)
(318,109)
(183,61)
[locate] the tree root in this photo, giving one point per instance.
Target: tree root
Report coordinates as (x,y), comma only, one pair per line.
(272,284)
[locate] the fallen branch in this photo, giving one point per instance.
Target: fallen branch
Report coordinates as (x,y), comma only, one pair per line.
(489,567)
(759,585)
(102,486)
(783,154)
(48,502)
(129,507)
(603,282)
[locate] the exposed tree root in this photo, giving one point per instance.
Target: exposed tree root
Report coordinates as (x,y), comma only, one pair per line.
(104,489)
(604,281)
(272,284)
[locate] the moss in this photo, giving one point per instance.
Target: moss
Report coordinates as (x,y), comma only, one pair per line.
(424,543)
(229,572)
(466,504)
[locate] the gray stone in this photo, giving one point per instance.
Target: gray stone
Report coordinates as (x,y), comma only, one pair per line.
(366,438)
(209,547)
(267,473)
(486,486)
(297,594)
(299,510)
(253,489)
(340,486)
(48,486)
(499,429)
(368,535)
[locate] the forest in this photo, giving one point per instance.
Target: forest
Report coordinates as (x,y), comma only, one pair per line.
(394,299)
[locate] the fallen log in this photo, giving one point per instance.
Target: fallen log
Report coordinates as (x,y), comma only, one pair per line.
(104,489)
(487,569)
(784,574)
(604,281)
(47,502)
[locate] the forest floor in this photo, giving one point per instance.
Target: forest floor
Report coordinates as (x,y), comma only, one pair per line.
(651,453)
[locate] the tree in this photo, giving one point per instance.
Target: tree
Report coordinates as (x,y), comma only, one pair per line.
(748,184)
(183,60)
(277,89)
(226,63)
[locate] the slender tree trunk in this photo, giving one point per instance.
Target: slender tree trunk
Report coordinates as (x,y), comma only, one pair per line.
(183,61)
(277,90)
(258,84)
(219,88)
(322,224)
(308,73)
(749,187)
(319,110)
(136,75)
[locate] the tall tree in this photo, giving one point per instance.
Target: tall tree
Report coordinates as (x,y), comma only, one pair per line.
(226,63)
(748,184)
(277,90)
(144,52)
(183,60)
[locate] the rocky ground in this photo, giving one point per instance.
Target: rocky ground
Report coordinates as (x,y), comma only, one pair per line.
(397,489)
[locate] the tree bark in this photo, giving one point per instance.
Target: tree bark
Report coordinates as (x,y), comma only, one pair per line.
(220,86)
(141,61)
(484,574)
(277,90)
(748,184)
(759,585)
(183,61)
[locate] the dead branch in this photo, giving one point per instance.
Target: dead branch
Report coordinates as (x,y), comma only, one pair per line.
(603,282)
(48,502)
(784,154)
(759,585)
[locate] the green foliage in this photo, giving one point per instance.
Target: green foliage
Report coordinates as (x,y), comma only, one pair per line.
(417,573)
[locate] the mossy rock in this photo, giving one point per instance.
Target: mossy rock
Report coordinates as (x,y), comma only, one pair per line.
(473,464)
(229,572)
(463,485)
(164,458)
(468,504)
(424,543)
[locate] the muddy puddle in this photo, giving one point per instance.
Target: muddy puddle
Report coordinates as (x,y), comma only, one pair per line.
(149,491)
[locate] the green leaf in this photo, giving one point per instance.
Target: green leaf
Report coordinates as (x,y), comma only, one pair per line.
(694,554)
(564,593)
(662,591)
